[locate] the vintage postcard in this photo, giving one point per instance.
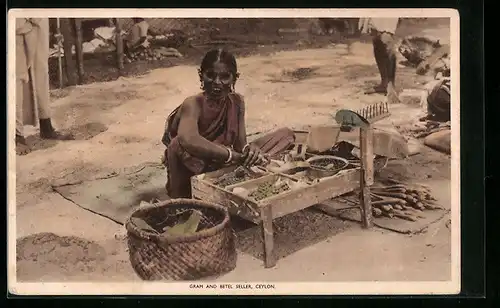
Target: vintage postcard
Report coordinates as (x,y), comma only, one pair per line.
(233,151)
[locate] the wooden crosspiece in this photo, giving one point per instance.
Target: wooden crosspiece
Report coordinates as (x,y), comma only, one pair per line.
(363,119)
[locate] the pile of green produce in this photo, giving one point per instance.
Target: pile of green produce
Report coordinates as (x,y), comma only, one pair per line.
(266,190)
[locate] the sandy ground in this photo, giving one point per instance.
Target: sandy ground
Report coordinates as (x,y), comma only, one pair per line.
(120,123)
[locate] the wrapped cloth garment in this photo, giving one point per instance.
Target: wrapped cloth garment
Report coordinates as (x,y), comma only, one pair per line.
(32,71)
(389,25)
(439,101)
(136,33)
(216,125)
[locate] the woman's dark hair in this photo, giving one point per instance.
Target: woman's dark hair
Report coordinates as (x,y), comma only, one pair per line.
(137,20)
(223,56)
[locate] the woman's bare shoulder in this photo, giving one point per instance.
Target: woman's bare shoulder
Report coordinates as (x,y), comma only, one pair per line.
(191,104)
(239,98)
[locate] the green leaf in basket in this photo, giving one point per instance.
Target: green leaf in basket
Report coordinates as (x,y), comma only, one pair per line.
(141,224)
(188,227)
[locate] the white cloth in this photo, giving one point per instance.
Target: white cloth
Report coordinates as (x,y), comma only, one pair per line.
(379,24)
(32,71)
(138,31)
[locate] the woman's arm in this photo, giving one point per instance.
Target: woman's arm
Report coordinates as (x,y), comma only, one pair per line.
(242,131)
(190,138)
(251,153)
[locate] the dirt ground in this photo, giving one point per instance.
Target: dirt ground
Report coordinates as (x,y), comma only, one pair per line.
(119,124)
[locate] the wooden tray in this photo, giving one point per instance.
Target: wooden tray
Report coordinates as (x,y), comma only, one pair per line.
(278,205)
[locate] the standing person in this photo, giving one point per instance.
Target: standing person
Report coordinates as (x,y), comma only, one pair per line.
(32,81)
(383,31)
(207,131)
(137,35)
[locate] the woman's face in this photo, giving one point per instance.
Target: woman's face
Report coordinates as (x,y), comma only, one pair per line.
(218,80)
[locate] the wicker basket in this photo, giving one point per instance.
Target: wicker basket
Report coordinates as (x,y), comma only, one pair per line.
(211,251)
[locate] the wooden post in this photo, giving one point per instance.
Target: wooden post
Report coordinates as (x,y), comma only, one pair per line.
(77,22)
(267,231)
(367,174)
(119,43)
(59,53)
(68,53)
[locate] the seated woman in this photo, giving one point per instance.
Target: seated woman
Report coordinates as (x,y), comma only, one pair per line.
(439,99)
(207,131)
(439,102)
(137,36)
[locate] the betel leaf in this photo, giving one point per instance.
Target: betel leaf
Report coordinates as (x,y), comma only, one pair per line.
(188,227)
(143,225)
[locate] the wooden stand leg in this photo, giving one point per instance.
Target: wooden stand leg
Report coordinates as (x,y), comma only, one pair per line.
(367,174)
(79,49)
(67,34)
(267,231)
(366,204)
(119,44)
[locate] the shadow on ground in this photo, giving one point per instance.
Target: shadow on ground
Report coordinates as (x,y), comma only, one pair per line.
(292,232)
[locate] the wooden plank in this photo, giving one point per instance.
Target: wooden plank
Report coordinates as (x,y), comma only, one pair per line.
(300,199)
(366,148)
(366,203)
(253,183)
(268,235)
(59,53)
(367,175)
(282,204)
(119,44)
(235,204)
(79,49)
(301,136)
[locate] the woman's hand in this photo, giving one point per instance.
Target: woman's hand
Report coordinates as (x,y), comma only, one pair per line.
(252,155)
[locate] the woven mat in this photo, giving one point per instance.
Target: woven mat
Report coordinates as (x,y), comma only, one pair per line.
(116,196)
(345,212)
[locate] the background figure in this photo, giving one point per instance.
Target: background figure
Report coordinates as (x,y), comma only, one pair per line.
(137,35)
(383,30)
(437,62)
(32,81)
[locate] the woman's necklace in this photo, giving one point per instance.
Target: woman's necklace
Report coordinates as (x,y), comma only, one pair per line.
(216,104)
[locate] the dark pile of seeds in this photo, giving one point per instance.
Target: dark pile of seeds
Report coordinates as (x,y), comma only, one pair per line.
(237,176)
(267,190)
(328,164)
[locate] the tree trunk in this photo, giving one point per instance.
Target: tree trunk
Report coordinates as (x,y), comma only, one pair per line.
(68,54)
(119,43)
(79,48)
